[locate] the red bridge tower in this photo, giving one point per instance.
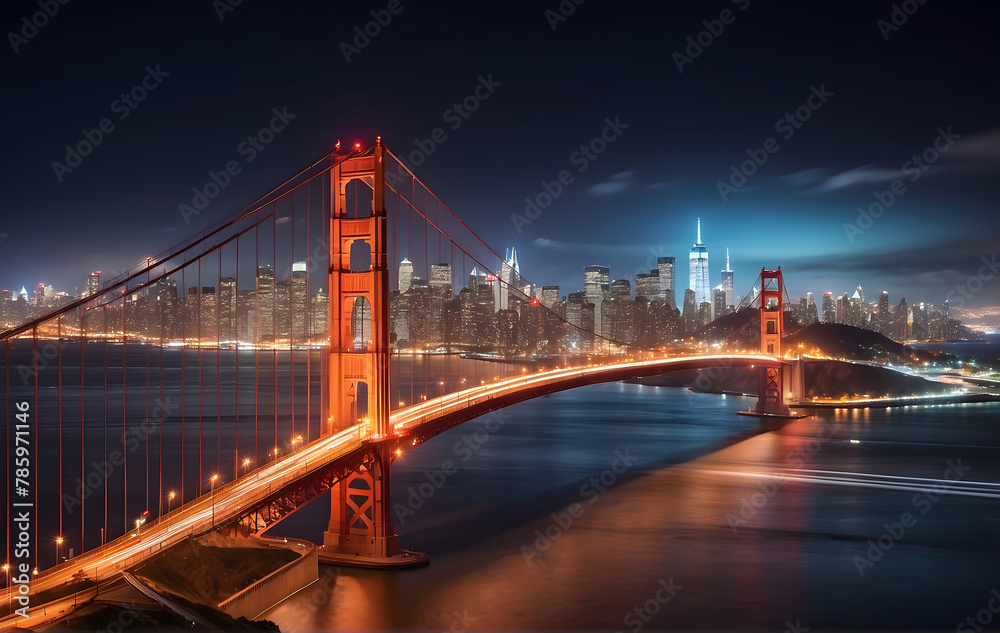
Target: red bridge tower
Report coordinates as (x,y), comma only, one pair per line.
(360,527)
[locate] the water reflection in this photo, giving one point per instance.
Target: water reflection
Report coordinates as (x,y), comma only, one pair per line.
(667,516)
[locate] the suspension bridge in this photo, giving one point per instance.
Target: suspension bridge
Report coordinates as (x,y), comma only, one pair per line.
(273,358)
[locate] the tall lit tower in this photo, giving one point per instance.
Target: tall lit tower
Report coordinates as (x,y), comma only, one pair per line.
(665,266)
(405,275)
(727,283)
(829,308)
(698,271)
(510,276)
(93,284)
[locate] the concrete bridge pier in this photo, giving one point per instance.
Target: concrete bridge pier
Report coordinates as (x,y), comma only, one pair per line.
(360,533)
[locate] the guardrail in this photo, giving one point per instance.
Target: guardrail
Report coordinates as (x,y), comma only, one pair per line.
(254,600)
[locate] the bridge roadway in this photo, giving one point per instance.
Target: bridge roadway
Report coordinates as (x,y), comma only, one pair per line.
(420,421)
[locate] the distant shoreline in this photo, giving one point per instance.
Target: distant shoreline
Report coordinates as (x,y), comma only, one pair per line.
(872,403)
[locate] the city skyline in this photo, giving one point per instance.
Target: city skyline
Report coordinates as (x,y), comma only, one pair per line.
(634,200)
(405,275)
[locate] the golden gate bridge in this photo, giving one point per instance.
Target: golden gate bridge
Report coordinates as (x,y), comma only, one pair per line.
(272,358)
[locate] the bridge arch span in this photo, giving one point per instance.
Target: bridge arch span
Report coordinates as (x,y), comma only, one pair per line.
(418,423)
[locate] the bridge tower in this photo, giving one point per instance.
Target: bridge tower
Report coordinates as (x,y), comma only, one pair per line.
(358,368)
(770,400)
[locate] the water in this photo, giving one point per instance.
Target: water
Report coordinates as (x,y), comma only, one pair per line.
(674,515)
(986,353)
(137,422)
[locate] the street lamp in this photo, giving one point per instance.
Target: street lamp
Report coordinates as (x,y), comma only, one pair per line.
(170,497)
(141,521)
(246,464)
(214,477)
(59,541)
(10,596)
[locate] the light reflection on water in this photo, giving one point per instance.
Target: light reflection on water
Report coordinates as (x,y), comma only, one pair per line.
(672,515)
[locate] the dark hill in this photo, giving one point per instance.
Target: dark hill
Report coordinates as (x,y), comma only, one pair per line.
(846,342)
(725,327)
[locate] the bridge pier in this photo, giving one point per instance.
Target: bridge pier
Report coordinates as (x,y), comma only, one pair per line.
(360,533)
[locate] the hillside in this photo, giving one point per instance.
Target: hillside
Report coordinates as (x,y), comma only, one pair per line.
(823,379)
(846,342)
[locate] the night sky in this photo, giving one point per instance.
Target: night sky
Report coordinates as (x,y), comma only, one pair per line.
(887,94)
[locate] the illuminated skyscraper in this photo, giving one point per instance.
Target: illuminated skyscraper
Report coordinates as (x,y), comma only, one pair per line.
(93,284)
(596,285)
(227,309)
(550,296)
(440,281)
(405,275)
(648,285)
(596,280)
(299,303)
(884,323)
(509,278)
(727,284)
(829,308)
(698,271)
(665,267)
(621,289)
(719,307)
(264,305)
